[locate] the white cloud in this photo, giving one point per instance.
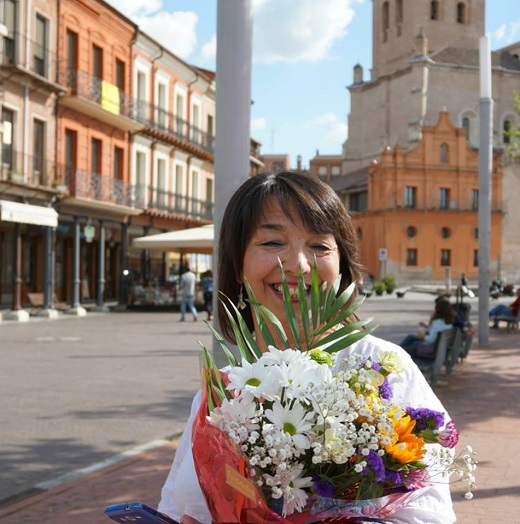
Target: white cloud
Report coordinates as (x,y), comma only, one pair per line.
(298,30)
(257,124)
(132,8)
(330,132)
(208,52)
(176,31)
(507,33)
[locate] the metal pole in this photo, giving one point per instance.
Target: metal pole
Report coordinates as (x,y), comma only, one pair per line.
(123,252)
(484,207)
(47,270)
(100,303)
(232,147)
(75,264)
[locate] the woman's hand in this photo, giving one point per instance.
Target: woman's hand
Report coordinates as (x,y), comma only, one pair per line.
(186,519)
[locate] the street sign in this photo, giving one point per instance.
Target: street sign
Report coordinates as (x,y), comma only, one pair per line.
(382,254)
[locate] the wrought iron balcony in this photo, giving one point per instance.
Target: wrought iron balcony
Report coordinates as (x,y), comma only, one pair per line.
(30,170)
(157,119)
(167,202)
(103,189)
(99,98)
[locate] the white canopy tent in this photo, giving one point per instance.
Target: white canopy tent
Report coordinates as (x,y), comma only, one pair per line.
(194,240)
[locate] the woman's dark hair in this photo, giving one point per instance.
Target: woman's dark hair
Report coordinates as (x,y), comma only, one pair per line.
(320,210)
(444,310)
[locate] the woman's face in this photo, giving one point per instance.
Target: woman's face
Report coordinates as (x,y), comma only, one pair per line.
(279,237)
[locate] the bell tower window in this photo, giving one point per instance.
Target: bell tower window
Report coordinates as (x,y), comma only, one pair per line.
(434,10)
(386,21)
(461,13)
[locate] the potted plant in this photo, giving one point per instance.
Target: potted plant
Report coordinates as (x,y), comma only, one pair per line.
(379,287)
(391,284)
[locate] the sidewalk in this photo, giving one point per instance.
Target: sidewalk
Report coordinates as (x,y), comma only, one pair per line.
(483,398)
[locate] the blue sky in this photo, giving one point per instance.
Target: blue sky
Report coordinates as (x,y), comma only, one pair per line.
(303,55)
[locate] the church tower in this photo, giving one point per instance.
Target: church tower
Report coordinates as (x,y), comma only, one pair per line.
(446,23)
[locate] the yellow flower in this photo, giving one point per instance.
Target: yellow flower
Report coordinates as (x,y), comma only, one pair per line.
(390,362)
(405,447)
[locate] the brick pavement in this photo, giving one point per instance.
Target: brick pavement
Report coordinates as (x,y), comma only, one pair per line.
(483,397)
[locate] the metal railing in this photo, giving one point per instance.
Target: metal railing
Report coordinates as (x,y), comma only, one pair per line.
(168,202)
(158,118)
(108,95)
(33,170)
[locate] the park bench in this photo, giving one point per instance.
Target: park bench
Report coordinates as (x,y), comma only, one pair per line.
(511,321)
(447,350)
(37,301)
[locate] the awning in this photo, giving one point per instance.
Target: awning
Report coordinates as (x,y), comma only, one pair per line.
(28,214)
(194,240)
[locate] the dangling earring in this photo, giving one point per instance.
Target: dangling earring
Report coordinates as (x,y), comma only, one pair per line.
(241,304)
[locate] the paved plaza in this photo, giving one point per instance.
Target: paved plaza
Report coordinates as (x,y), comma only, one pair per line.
(91,408)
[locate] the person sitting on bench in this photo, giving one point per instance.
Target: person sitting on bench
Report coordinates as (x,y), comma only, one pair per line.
(505,311)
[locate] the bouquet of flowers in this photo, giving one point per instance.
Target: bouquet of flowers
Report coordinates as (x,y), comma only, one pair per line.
(302,436)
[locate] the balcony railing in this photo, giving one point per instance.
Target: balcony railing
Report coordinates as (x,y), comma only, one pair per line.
(168,202)
(109,96)
(42,61)
(84,184)
(158,118)
(32,170)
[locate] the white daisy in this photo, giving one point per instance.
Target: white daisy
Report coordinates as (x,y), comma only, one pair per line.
(294,421)
(294,496)
(255,378)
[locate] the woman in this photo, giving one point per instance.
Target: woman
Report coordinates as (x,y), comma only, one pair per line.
(296,219)
(422,343)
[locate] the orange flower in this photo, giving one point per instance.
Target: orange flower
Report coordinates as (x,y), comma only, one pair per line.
(405,446)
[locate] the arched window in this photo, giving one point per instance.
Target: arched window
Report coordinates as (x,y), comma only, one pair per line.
(443,153)
(386,21)
(399,16)
(461,13)
(506,129)
(465,125)
(434,10)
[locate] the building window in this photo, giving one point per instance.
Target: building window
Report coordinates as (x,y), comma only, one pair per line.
(322,172)
(40,46)
(466,125)
(399,16)
(95,156)
(461,13)
(8,158)
(445,257)
(434,10)
(358,201)
(411,257)
(475,233)
(445,232)
(411,231)
(97,72)
(162,114)
(444,198)
(39,152)
(141,97)
(475,258)
(71,141)
(10,15)
(386,21)
(506,132)
(72,58)
(474,199)
(443,154)
(410,197)
(118,163)
(335,170)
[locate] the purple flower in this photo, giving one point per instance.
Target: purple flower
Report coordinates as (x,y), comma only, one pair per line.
(394,477)
(375,463)
(322,487)
(385,390)
(449,436)
(426,418)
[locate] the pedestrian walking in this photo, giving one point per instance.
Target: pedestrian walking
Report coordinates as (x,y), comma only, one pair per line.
(187,288)
(207,289)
